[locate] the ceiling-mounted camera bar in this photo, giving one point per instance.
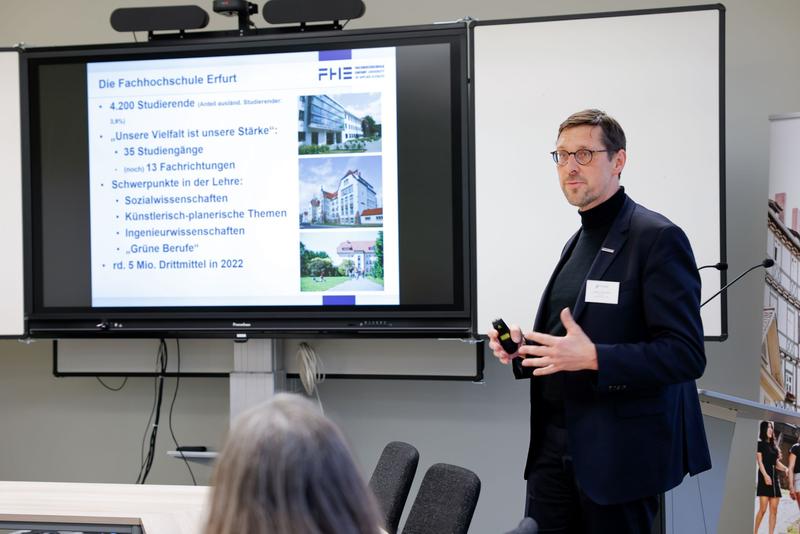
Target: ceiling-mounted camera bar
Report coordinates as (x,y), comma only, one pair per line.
(178,22)
(239,8)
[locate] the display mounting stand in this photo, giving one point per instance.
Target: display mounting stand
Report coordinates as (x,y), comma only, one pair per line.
(258,374)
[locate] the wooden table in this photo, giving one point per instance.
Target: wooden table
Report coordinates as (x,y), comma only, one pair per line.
(157,509)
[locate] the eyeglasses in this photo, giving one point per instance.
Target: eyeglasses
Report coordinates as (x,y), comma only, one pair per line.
(582,156)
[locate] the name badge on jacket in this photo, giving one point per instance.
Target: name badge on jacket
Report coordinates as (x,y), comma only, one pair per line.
(602,292)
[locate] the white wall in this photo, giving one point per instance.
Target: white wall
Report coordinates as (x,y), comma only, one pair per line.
(72,429)
(75,430)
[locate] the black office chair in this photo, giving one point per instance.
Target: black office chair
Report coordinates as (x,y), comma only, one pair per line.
(445,502)
(391,480)
(526,526)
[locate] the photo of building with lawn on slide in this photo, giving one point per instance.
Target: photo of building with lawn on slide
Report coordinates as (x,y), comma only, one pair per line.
(340,191)
(339,123)
(341,261)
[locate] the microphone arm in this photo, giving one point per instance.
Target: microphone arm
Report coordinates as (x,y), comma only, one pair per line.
(767,263)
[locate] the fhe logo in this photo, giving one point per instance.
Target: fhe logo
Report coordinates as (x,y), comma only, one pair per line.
(335,73)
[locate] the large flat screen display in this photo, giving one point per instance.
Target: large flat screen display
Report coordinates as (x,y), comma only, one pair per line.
(312,184)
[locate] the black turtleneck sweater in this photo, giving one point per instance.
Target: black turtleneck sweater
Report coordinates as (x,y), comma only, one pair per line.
(568,282)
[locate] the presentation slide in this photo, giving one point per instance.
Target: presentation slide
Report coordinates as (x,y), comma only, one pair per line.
(246,180)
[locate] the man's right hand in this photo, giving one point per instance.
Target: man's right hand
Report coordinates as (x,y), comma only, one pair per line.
(497,350)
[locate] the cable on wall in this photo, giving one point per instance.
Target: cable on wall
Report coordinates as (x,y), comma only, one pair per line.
(311,370)
(110,388)
(149,419)
(172,406)
(155,414)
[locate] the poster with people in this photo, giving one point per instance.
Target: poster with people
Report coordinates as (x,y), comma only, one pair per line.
(777,507)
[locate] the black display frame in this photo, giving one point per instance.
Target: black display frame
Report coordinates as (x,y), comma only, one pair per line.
(455,320)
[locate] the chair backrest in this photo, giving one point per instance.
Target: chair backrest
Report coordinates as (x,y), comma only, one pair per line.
(391,480)
(445,502)
(526,526)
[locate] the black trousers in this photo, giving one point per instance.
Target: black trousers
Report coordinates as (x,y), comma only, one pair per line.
(558,505)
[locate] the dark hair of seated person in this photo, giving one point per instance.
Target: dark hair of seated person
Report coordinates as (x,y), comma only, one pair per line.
(285,468)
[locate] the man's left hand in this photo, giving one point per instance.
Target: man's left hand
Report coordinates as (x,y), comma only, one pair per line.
(572,352)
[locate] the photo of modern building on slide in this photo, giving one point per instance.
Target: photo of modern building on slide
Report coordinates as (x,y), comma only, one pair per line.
(341,261)
(339,123)
(340,191)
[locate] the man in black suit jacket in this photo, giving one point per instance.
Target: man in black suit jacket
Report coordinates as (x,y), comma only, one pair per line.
(615,417)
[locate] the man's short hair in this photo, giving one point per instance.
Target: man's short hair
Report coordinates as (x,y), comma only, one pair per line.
(613,135)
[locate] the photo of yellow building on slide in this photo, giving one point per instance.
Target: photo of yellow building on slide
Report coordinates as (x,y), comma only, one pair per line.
(347,262)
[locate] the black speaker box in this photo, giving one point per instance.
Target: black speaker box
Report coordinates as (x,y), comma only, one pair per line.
(136,19)
(294,11)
